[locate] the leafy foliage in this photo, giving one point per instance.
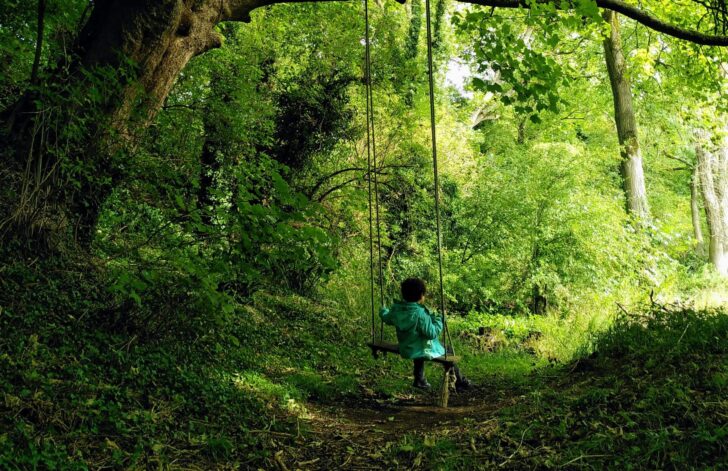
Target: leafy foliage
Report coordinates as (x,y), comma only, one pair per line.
(224,292)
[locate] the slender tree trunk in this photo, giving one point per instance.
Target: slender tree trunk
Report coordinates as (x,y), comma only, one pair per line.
(539,304)
(521,139)
(633,179)
(695,210)
(410,52)
(39,41)
(714,184)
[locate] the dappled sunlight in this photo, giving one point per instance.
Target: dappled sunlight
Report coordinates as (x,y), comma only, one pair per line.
(706,299)
(276,395)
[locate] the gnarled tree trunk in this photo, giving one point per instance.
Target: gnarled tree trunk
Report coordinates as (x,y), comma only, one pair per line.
(151,41)
(633,178)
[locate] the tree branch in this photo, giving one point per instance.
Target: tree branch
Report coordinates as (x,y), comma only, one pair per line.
(323,196)
(239,10)
(689,165)
(380,171)
(627,10)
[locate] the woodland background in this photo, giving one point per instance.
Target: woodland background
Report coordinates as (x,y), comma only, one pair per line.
(185,271)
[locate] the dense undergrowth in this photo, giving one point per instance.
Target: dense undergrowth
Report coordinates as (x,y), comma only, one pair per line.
(651,396)
(81,389)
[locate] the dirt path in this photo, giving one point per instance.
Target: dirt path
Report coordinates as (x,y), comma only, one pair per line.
(376,434)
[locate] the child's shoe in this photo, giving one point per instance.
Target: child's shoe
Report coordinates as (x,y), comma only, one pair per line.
(463,385)
(421,383)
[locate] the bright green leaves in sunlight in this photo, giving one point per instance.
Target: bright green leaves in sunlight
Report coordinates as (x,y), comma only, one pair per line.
(512,65)
(527,57)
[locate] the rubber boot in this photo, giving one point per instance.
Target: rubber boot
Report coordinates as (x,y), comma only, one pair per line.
(461,382)
(419,373)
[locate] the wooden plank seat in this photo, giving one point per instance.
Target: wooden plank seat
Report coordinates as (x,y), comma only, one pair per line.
(387,347)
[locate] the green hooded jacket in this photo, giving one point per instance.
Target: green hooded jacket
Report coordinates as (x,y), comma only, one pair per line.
(417,329)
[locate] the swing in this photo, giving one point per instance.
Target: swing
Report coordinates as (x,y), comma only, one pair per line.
(380,346)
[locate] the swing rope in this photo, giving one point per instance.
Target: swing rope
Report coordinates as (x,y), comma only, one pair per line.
(372,166)
(430,74)
(369,167)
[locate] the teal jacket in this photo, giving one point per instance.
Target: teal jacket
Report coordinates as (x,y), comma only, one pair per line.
(417,329)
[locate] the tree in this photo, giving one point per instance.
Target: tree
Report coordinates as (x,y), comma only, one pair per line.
(49,193)
(633,178)
(713,170)
(695,210)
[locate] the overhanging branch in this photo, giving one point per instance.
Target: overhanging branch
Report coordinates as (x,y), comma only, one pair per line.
(239,10)
(629,11)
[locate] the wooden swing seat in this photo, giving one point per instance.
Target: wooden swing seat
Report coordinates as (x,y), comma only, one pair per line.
(386,347)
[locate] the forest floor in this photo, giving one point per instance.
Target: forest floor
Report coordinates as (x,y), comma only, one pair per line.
(581,418)
(651,396)
(271,392)
(370,433)
(591,414)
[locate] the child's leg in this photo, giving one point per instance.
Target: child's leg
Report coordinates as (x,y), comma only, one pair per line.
(461,382)
(459,378)
(419,373)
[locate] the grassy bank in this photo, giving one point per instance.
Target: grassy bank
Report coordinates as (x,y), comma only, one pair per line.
(82,389)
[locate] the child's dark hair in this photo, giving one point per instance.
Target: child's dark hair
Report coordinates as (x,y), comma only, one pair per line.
(413,289)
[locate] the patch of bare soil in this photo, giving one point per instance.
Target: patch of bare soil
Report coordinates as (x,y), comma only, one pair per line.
(368,433)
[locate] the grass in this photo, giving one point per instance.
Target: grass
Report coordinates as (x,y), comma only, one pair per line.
(77,391)
(651,396)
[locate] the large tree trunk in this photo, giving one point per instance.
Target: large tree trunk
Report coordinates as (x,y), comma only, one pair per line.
(713,167)
(151,41)
(633,178)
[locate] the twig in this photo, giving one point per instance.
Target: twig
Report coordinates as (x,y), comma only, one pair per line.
(305,463)
(581,457)
(271,432)
(623,309)
(683,334)
(517,449)
(279,461)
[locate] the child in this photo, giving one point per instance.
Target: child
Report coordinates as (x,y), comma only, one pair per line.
(417,331)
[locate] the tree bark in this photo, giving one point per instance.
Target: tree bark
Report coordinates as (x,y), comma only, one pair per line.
(695,211)
(713,168)
(38,41)
(521,139)
(633,179)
